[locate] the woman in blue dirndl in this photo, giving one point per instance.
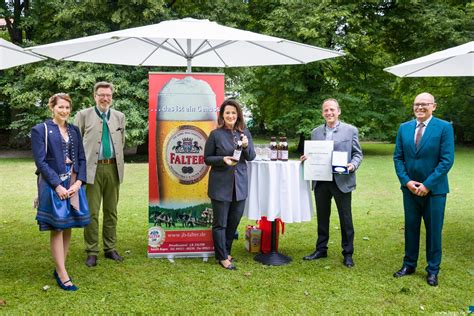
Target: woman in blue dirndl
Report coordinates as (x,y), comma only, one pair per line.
(61,167)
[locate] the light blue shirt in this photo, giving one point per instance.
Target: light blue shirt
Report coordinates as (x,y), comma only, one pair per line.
(330,130)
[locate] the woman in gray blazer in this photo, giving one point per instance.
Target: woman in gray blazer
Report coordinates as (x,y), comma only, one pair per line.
(228,181)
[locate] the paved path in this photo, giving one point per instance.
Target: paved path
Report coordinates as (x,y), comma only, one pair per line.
(12,153)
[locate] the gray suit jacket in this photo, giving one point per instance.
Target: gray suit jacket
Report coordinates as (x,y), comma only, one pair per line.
(222,177)
(90,126)
(346,138)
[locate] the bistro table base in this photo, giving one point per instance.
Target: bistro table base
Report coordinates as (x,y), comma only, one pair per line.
(272,259)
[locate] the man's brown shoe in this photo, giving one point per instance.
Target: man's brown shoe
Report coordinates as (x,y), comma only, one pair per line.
(113,254)
(91,261)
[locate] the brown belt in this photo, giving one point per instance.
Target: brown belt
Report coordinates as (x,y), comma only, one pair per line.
(111,161)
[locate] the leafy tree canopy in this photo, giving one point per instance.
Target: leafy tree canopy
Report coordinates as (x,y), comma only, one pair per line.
(282,99)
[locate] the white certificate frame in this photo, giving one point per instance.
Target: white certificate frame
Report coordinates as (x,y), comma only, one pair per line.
(318,165)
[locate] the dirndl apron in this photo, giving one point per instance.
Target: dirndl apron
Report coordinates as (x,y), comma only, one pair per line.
(56,214)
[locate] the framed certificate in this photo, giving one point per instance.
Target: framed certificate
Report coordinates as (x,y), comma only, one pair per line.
(318,165)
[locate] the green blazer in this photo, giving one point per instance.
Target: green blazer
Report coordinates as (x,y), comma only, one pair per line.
(433,159)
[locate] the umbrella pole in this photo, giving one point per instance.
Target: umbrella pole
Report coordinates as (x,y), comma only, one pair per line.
(188,68)
(188,57)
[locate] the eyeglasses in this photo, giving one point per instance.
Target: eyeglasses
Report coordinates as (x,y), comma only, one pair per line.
(103,95)
(421,105)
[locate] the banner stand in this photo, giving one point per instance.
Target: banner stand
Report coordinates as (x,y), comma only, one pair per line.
(183,110)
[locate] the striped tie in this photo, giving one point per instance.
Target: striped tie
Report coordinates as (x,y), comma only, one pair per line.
(419,134)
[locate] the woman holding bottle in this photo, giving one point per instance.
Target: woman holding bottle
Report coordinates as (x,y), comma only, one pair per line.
(228,180)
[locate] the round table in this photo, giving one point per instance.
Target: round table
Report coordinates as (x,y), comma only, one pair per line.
(277,190)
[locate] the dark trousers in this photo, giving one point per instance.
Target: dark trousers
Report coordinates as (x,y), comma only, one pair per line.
(324,192)
(227,217)
(431,209)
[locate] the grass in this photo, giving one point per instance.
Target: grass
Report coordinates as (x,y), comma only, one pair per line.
(142,285)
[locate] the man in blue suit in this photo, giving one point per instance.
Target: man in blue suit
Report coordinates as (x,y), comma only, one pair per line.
(424,153)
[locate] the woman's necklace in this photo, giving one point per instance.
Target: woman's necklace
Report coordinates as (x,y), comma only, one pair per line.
(66,142)
(63,130)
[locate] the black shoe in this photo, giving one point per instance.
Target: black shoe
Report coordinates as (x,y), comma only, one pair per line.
(404,271)
(432,279)
(316,255)
(229,267)
(91,261)
(113,254)
(348,262)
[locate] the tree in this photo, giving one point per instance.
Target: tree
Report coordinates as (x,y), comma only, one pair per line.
(283,99)
(373,36)
(14,11)
(53,20)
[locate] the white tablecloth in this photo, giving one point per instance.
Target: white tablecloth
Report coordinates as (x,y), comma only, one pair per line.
(277,189)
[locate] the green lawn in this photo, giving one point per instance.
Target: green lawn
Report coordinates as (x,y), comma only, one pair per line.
(142,285)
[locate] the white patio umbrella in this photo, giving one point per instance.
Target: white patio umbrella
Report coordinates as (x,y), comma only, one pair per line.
(12,55)
(453,62)
(187,42)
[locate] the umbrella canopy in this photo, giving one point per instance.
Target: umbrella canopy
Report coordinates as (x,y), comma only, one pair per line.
(187,42)
(453,62)
(12,55)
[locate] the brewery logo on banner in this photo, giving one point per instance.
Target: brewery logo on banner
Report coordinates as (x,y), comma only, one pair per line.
(156,236)
(184,154)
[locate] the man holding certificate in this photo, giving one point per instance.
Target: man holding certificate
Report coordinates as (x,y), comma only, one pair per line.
(338,182)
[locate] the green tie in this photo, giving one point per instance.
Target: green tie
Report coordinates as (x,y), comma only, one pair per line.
(105,138)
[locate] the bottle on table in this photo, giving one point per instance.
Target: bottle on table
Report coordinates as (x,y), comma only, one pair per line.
(279,150)
(283,149)
(273,149)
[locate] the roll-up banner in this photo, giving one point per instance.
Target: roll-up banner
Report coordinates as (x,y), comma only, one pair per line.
(183,111)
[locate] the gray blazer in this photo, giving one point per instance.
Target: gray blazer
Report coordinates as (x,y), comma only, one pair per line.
(90,126)
(222,177)
(346,138)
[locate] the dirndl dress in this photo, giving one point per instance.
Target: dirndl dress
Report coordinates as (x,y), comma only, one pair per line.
(56,214)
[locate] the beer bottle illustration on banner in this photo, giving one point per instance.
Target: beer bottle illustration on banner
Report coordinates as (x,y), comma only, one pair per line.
(186,114)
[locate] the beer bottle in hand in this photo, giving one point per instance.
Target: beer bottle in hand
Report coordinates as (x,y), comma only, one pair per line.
(273,149)
(283,149)
(238,149)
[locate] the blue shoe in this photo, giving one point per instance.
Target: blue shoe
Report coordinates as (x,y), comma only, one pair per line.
(56,276)
(62,284)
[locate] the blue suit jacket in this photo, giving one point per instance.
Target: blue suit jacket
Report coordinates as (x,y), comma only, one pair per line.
(222,177)
(433,159)
(51,164)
